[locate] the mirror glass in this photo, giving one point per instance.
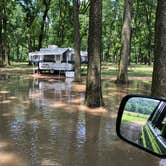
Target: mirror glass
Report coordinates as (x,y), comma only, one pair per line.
(144,123)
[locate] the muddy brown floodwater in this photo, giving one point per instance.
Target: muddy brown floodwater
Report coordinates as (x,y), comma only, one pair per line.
(43,122)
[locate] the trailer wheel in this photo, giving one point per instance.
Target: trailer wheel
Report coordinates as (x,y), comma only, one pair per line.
(52,71)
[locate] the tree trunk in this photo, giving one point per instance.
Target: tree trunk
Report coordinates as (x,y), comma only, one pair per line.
(30,45)
(149,12)
(77,57)
(1,61)
(159,70)
(5,41)
(61,24)
(47,4)
(93,96)
(6,55)
(125,42)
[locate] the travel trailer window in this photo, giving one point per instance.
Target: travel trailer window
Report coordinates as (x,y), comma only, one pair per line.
(71,60)
(58,58)
(64,57)
(36,57)
(49,58)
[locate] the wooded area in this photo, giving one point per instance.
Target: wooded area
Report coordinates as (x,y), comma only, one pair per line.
(28,25)
(117,31)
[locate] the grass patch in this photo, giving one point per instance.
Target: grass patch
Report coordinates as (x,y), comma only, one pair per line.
(134,117)
(111,72)
(17,68)
(20,65)
(133,70)
(140,70)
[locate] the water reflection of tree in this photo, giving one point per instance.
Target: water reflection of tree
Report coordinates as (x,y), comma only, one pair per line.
(92,138)
(73,139)
(4,127)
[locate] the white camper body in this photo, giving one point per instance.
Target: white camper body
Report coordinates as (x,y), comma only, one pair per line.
(52,59)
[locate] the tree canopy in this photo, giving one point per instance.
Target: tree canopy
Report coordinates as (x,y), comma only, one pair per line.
(27,25)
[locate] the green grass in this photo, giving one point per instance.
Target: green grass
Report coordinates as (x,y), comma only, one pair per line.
(140,70)
(17,68)
(134,117)
(111,72)
(20,65)
(133,70)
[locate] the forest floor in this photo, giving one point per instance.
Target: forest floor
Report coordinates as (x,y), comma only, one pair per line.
(135,71)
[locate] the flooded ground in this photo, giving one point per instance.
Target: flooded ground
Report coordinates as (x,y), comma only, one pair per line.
(43,122)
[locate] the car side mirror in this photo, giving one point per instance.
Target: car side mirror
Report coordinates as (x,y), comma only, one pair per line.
(141,122)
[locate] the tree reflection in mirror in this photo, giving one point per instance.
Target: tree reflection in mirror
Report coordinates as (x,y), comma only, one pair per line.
(143,123)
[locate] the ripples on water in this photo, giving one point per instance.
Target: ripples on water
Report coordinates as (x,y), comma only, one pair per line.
(44,122)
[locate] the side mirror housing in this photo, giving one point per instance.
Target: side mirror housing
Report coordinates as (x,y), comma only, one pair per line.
(141,122)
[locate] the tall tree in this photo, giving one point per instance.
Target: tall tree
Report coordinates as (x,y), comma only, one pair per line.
(143,23)
(31,10)
(112,22)
(1,39)
(3,33)
(5,43)
(93,96)
(2,17)
(150,35)
(46,4)
(159,71)
(125,43)
(77,57)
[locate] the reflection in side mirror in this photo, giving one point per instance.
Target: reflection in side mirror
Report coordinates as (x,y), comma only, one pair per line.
(142,122)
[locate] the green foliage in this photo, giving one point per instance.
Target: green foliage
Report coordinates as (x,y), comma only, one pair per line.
(24,20)
(143,24)
(141,105)
(112,24)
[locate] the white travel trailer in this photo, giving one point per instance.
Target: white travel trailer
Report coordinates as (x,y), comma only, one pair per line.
(84,57)
(54,59)
(83,54)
